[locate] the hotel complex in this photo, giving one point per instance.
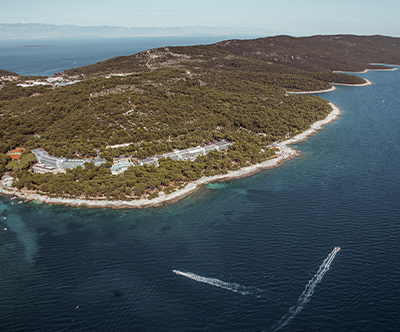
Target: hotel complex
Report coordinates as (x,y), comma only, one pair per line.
(47,163)
(188,154)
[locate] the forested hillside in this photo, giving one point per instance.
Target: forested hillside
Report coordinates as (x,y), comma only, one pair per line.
(175,98)
(315,53)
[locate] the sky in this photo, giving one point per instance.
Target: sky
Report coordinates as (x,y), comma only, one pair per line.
(293,17)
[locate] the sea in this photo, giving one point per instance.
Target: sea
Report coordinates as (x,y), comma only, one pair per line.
(255,254)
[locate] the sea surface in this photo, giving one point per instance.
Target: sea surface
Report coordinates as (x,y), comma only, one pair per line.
(255,254)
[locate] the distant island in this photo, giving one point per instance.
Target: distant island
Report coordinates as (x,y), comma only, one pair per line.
(149,128)
(23,46)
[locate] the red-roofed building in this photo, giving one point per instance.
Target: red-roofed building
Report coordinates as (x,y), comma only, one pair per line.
(15,154)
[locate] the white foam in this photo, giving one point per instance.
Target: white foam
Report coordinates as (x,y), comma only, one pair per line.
(221,284)
(308,291)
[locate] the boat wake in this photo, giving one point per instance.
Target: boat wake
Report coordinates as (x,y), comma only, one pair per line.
(308,291)
(222,284)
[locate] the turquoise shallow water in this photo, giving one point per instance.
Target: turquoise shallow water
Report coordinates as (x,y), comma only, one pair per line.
(77,269)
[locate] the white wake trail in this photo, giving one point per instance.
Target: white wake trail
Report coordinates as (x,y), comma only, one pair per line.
(221,284)
(308,291)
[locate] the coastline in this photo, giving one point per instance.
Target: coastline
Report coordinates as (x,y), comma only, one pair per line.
(367,70)
(332,88)
(367,82)
(285,153)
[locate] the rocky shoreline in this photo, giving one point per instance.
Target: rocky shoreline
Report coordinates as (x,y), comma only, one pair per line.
(285,153)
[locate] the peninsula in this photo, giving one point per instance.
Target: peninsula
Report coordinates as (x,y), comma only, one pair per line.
(150,128)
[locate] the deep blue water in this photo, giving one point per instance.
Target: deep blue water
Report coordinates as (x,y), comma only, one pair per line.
(78,269)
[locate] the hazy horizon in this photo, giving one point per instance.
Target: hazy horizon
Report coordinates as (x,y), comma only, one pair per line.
(37,31)
(42,31)
(308,17)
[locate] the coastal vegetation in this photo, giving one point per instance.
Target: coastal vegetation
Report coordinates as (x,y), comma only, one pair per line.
(175,98)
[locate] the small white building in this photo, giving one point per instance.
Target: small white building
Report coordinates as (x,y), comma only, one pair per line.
(7,181)
(148,161)
(187,154)
(41,168)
